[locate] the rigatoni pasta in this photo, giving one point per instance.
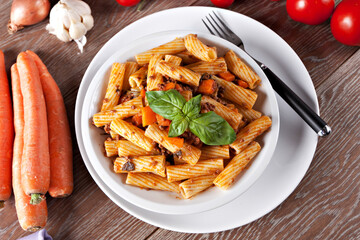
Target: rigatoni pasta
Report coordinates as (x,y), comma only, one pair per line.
(250,132)
(196,185)
(124,110)
(236,165)
(126,148)
(152,181)
(199,49)
(114,87)
(172,47)
(174,119)
(186,171)
(154,164)
(132,133)
(178,73)
(241,70)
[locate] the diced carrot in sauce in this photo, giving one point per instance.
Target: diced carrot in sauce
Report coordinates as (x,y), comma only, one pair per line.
(170,85)
(227,76)
(142,93)
(242,83)
(162,121)
(148,116)
(207,87)
(137,120)
(179,142)
(179,88)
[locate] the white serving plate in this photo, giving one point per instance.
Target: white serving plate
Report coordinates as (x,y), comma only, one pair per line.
(296,144)
(162,201)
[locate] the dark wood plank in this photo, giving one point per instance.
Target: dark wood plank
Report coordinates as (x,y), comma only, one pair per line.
(325,203)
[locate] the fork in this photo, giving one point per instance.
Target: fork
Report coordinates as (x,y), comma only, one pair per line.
(299,106)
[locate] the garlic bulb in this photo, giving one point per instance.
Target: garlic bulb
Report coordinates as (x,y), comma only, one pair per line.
(70,20)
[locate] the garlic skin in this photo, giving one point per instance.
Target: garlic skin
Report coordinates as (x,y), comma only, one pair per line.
(70,20)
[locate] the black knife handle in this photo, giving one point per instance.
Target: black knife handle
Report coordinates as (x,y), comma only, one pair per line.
(301,108)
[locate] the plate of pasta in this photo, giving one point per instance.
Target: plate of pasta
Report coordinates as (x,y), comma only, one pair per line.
(184,114)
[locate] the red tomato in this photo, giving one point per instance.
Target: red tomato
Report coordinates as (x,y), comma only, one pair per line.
(222,3)
(128,3)
(310,12)
(345,22)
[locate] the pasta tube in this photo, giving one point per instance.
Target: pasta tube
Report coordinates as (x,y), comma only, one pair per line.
(186,171)
(243,97)
(236,165)
(215,67)
(172,47)
(152,181)
(124,110)
(211,152)
(250,132)
(196,185)
(187,57)
(241,69)
(249,114)
(137,79)
(188,153)
(198,49)
(110,147)
(232,116)
(154,164)
(126,148)
(132,133)
(130,68)
(114,87)
(178,73)
(173,59)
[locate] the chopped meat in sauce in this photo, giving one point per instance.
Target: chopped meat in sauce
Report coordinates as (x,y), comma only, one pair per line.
(107,128)
(128,166)
(191,139)
(164,151)
(126,97)
(178,154)
(207,107)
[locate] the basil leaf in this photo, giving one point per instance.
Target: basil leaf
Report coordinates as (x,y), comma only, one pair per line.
(192,108)
(168,104)
(178,126)
(212,129)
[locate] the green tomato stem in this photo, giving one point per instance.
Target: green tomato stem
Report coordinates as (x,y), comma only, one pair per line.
(140,5)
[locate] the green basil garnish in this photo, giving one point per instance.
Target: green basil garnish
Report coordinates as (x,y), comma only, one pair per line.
(209,127)
(168,104)
(212,129)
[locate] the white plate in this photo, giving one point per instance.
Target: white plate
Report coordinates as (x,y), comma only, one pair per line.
(296,144)
(161,201)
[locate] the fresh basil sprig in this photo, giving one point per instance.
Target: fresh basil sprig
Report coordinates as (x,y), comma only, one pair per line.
(209,127)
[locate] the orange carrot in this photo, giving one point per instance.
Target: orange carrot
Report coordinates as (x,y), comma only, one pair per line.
(31,217)
(207,87)
(61,162)
(137,120)
(35,163)
(227,76)
(142,93)
(162,121)
(242,83)
(6,134)
(170,85)
(179,142)
(148,116)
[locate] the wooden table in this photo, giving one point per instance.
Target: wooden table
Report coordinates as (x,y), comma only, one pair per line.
(326,204)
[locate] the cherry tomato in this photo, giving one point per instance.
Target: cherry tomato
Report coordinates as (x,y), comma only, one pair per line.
(310,12)
(222,3)
(128,3)
(345,22)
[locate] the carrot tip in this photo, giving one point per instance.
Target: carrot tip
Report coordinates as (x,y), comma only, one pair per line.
(2,204)
(36,198)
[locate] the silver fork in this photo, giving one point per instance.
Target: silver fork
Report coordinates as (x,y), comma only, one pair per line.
(300,107)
